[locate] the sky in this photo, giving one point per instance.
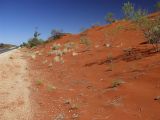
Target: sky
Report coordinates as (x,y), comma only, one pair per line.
(19,18)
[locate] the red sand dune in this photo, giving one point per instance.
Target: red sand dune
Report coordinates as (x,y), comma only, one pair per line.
(84,82)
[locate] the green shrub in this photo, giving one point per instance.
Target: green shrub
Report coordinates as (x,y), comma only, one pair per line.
(144,23)
(152,31)
(110,18)
(128,10)
(85,41)
(157,6)
(120,27)
(56,34)
(51,88)
(139,14)
(153,34)
(39,82)
(34,42)
(131,14)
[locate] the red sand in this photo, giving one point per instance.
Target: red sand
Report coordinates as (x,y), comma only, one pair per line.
(83,81)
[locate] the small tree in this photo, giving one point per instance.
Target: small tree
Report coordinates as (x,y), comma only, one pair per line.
(35,40)
(36,34)
(128,10)
(110,18)
(139,14)
(157,6)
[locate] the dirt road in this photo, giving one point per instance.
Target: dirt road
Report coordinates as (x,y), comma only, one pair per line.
(14,87)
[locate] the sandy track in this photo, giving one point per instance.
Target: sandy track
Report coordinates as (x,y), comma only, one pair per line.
(14,92)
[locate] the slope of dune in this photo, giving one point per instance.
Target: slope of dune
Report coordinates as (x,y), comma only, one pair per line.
(105,74)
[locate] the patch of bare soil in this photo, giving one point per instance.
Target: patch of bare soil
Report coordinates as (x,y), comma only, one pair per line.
(14,93)
(112,78)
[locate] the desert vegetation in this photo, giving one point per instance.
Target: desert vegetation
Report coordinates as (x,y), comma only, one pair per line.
(110,18)
(157,6)
(128,10)
(101,68)
(33,41)
(56,34)
(130,13)
(140,17)
(109,70)
(152,33)
(84,40)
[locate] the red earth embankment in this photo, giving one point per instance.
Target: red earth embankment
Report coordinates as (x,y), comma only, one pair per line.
(105,74)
